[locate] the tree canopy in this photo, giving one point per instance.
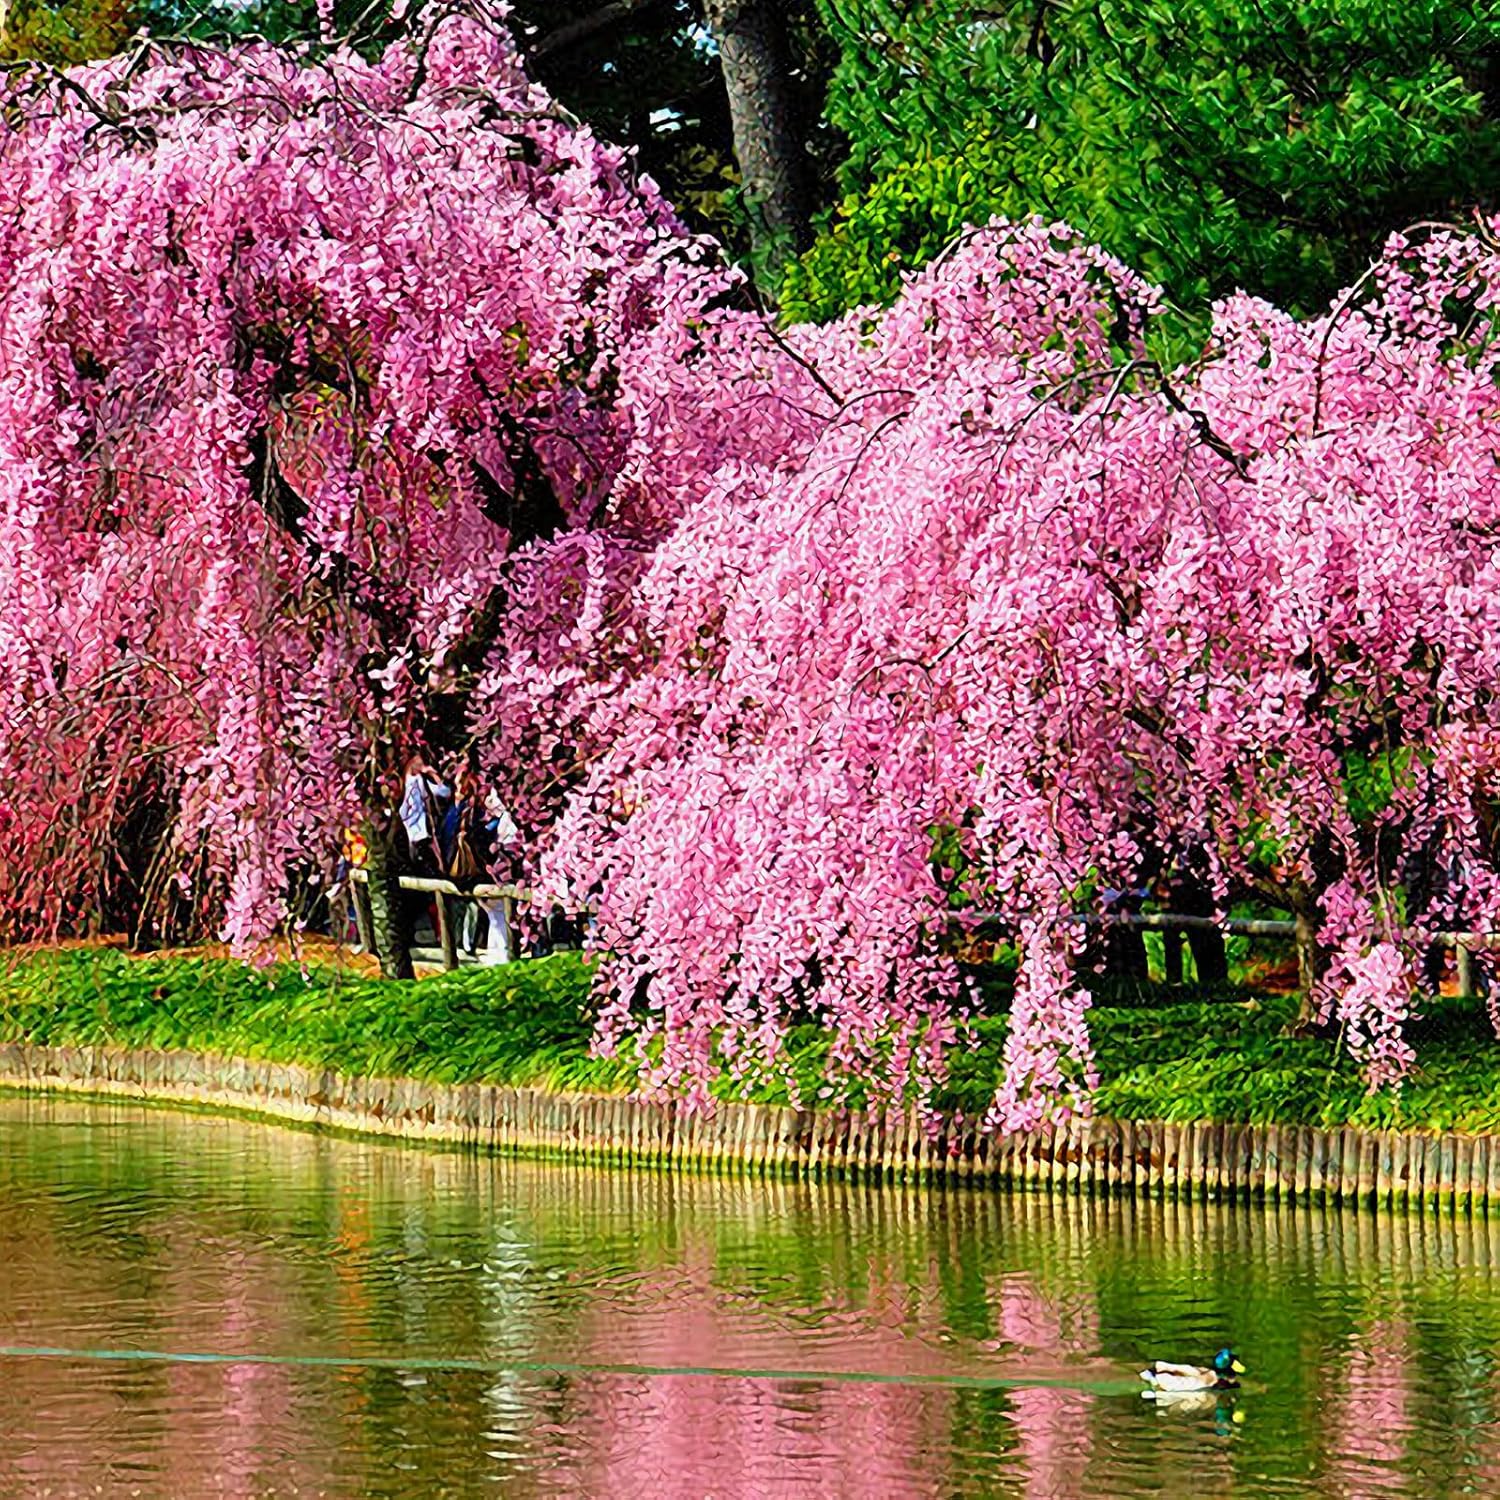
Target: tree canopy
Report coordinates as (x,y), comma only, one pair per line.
(1006,613)
(299,350)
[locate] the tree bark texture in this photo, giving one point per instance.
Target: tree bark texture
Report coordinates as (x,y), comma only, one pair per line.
(389,920)
(1309,963)
(755,58)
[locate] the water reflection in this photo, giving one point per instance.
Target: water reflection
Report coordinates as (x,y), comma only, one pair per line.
(651,1335)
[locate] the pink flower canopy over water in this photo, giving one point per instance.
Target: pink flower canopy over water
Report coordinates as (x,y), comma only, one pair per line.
(336,393)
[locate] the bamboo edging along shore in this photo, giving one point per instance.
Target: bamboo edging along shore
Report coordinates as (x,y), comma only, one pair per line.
(1151,1158)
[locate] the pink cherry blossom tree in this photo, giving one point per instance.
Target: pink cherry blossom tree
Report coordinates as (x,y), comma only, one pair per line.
(297,351)
(993,574)
(352,407)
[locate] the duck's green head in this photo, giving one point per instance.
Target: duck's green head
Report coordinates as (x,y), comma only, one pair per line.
(1225,1363)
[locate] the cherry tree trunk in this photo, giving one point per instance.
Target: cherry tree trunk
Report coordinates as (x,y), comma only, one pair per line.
(1308,966)
(389,923)
(753,53)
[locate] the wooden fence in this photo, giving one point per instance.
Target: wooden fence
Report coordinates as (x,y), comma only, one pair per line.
(1140,1158)
(1465,944)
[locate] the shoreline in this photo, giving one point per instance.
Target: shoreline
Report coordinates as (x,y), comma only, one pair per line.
(1446,1172)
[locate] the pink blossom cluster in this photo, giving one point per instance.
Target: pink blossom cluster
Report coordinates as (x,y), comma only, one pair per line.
(975,565)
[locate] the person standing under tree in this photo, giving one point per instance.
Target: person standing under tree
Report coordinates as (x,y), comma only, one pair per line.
(419,816)
(468,850)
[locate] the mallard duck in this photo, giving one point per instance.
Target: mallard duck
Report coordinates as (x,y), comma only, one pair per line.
(1171,1380)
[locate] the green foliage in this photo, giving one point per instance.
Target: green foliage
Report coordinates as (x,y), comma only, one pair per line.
(73,32)
(1259,144)
(1369,781)
(1161,1054)
(284,22)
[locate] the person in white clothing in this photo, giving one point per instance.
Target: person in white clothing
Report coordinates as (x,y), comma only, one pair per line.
(418,809)
(500,947)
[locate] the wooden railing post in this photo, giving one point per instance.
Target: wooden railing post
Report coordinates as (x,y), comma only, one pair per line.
(1171,954)
(364,923)
(446,939)
(1307,967)
(1464,955)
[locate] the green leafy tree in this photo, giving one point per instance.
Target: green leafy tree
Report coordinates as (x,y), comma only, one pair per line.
(73,32)
(1213,144)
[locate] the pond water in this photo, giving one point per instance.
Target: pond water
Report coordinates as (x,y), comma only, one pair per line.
(197,1306)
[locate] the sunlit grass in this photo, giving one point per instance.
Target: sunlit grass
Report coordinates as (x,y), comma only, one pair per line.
(521,1024)
(1161,1054)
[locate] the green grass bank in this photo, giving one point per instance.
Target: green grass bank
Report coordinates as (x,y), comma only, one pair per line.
(1162,1054)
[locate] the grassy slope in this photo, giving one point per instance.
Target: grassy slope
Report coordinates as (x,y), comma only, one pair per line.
(1159,1056)
(518,1024)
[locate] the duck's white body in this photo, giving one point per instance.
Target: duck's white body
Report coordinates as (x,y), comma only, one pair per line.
(1172,1379)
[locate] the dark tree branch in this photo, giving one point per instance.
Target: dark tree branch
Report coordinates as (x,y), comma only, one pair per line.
(586,27)
(281,502)
(1239,462)
(1039,44)
(529,510)
(1153,721)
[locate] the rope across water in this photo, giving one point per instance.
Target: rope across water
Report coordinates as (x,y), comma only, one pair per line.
(562,1367)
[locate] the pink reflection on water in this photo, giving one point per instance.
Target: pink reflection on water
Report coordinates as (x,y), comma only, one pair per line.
(250,1405)
(750,1435)
(1029,1318)
(1370,1418)
(1055,1439)
(1053,1427)
(753,1437)
(830,1433)
(90,1427)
